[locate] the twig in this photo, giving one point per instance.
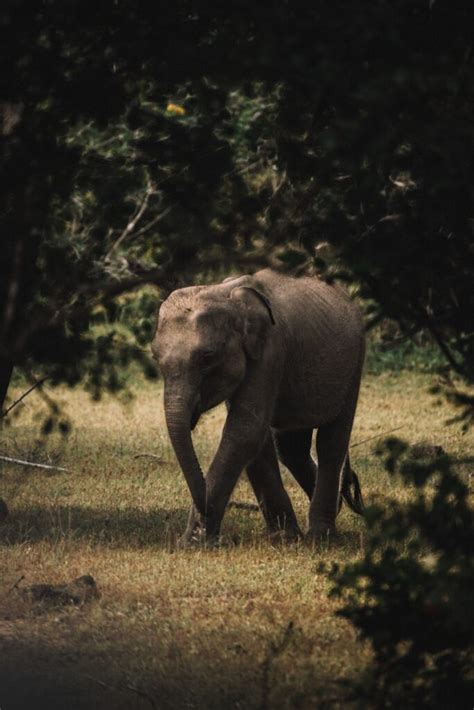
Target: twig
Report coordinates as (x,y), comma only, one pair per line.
(243,506)
(122,687)
(133,222)
(149,456)
(42,392)
(154,221)
(15,586)
(30,463)
(443,346)
(141,693)
(376,436)
(25,394)
(101,682)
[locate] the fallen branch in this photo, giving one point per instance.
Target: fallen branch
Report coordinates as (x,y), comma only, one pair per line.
(15,586)
(243,506)
(25,394)
(377,436)
(124,686)
(20,462)
(139,692)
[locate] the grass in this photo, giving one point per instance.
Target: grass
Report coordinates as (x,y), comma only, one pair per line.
(249,625)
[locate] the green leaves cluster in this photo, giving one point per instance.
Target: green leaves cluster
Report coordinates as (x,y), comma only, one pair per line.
(410,594)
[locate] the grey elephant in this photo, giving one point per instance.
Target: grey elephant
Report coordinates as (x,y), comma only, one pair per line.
(286,355)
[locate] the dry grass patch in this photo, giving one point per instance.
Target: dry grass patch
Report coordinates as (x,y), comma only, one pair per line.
(177,629)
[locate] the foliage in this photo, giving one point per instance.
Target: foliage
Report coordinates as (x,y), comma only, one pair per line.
(410,594)
(376,135)
(389,350)
(129,158)
(113,177)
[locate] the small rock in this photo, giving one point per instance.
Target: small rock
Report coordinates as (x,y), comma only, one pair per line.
(79,591)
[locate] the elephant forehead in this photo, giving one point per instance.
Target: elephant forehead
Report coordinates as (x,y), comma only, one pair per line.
(182,337)
(209,316)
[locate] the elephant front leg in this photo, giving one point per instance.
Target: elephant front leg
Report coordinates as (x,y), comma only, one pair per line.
(245,434)
(233,455)
(265,478)
(264,475)
(195,532)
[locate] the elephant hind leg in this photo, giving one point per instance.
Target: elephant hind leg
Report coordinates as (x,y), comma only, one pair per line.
(264,476)
(332,443)
(294,451)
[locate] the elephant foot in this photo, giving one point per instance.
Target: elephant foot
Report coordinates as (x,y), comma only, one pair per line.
(197,539)
(321,536)
(283,536)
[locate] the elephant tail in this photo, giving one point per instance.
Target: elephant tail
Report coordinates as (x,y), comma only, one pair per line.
(351,490)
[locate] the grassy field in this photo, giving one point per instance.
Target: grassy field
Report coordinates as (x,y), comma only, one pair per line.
(177,629)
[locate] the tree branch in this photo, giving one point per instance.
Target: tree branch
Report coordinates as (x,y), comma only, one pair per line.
(25,394)
(443,346)
(133,222)
(377,436)
(20,462)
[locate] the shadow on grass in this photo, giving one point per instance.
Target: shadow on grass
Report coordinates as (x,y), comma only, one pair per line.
(131,527)
(137,670)
(136,528)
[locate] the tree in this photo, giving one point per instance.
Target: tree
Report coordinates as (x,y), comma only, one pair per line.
(287,126)
(112,177)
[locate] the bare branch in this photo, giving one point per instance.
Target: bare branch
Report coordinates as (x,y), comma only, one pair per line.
(122,687)
(377,436)
(15,586)
(163,277)
(240,505)
(25,394)
(443,346)
(133,222)
(154,221)
(139,692)
(20,462)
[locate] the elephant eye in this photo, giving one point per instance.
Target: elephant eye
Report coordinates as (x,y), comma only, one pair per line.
(208,359)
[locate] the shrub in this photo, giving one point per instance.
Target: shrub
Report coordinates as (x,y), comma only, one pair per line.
(411,594)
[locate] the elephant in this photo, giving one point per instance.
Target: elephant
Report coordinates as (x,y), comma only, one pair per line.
(286,354)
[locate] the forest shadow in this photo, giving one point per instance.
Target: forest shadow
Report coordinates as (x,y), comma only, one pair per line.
(129,528)
(78,673)
(135,528)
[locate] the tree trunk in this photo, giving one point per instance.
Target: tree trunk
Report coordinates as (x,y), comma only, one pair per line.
(6,369)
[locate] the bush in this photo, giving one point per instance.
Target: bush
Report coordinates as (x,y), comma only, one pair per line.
(389,350)
(411,594)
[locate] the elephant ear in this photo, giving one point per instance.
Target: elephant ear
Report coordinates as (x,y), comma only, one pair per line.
(257,315)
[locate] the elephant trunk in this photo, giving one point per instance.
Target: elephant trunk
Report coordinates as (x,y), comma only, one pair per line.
(179,410)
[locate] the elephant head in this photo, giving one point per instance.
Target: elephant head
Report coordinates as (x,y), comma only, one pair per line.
(206,338)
